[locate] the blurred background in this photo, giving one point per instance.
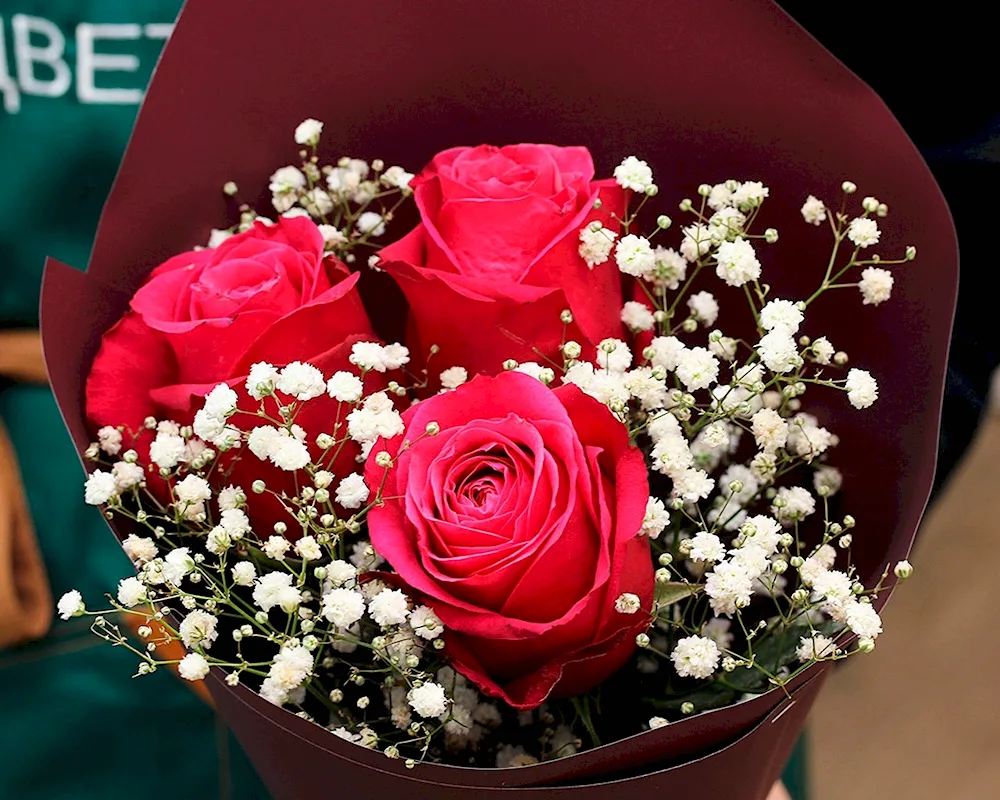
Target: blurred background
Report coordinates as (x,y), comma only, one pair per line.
(917,720)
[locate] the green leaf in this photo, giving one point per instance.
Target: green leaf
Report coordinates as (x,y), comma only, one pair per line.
(669,593)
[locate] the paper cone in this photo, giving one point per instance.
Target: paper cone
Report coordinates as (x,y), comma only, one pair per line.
(704,90)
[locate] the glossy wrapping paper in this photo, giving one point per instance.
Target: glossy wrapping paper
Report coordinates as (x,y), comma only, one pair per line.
(704,90)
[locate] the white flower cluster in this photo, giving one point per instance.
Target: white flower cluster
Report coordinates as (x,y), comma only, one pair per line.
(342,198)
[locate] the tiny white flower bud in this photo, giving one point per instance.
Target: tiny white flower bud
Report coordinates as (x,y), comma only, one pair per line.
(258,486)
(903,570)
(510,364)
(433,429)
(685,205)
(566,317)
(663,222)
(849,521)
(911,253)
(849,187)
(572,349)
(642,640)
(687,707)
(771,235)
(383,458)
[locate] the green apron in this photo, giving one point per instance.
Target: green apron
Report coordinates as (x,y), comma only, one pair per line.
(73,725)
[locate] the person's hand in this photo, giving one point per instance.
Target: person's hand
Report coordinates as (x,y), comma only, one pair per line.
(21,357)
(25,601)
(779,792)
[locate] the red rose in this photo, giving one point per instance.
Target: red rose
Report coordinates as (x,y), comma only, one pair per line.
(518,523)
(204,317)
(496,258)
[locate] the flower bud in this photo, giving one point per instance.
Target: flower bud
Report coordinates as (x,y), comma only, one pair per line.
(510,364)
(383,458)
(652,190)
(665,559)
(598,203)
(771,235)
(642,640)
(690,325)
(840,358)
(866,645)
(903,570)
(572,349)
(869,204)
(432,429)
(849,521)
(849,187)
(595,226)
(685,205)
(566,317)
(704,190)
(663,222)
(258,486)
(687,707)
(911,253)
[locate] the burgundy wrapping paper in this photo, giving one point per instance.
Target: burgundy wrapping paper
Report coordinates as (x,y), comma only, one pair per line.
(702,89)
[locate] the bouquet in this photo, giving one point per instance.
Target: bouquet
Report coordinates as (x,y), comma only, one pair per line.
(498,462)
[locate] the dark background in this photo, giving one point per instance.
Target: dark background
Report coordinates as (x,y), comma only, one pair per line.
(935,66)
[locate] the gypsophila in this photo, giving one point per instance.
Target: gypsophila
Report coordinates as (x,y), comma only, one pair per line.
(813,211)
(695,657)
(193,667)
(389,607)
(428,700)
(862,389)
(875,285)
(596,244)
(634,174)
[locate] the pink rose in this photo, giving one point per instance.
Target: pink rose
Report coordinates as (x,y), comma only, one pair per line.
(496,258)
(205,316)
(519,524)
